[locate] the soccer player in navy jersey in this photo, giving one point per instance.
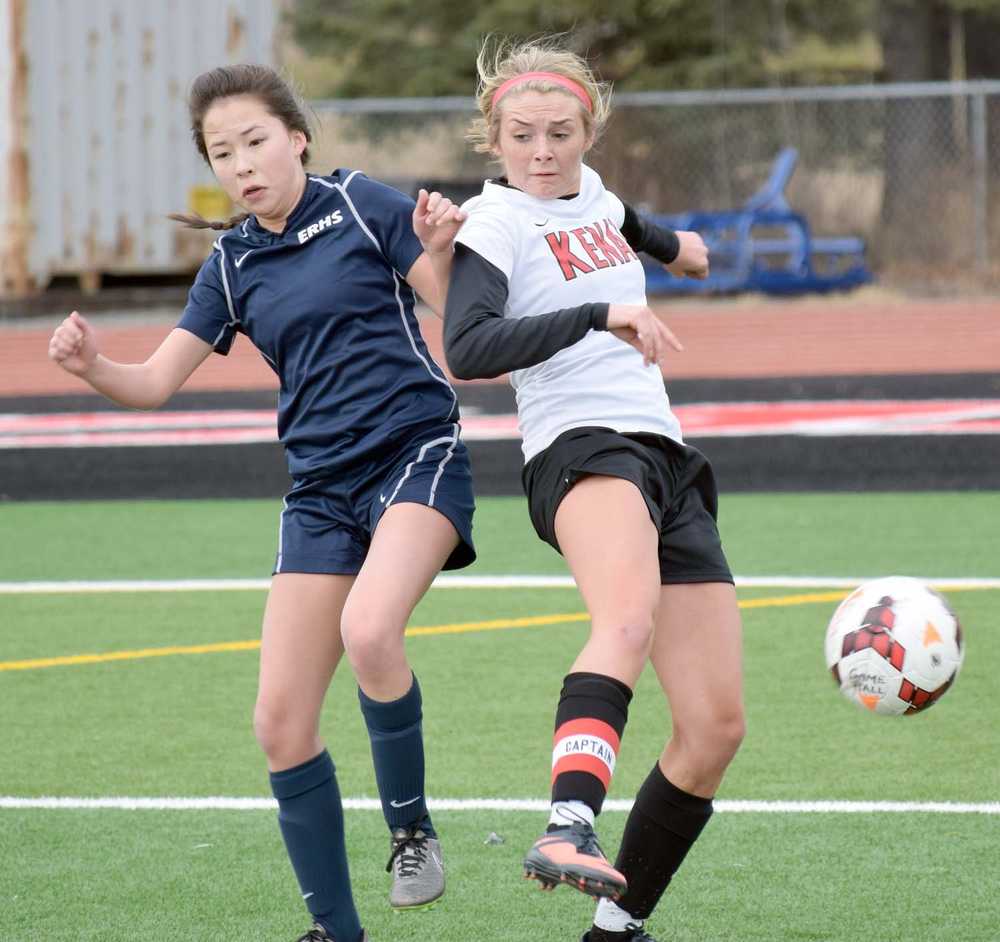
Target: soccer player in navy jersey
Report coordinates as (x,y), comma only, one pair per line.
(546,284)
(319,275)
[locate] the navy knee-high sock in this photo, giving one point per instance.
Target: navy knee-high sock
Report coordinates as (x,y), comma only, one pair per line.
(397,739)
(312,824)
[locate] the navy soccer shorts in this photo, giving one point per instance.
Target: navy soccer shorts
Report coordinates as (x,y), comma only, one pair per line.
(676,482)
(327,523)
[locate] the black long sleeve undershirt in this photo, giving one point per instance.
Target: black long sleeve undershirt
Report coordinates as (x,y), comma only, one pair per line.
(480,343)
(645,236)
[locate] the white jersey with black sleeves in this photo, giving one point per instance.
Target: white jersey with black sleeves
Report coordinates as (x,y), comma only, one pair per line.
(560,253)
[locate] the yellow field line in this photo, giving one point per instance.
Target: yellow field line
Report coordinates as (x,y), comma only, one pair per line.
(534,621)
(781,601)
(70,659)
(496,624)
(458,628)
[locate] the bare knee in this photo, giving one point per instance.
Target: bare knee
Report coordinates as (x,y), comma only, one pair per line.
(372,643)
(630,635)
(712,741)
(287,736)
(728,731)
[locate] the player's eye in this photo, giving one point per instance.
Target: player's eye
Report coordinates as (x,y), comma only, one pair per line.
(220,155)
(256,141)
(522,137)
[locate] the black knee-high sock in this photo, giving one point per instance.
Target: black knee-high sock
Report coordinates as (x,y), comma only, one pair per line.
(662,826)
(397,741)
(312,824)
(590,720)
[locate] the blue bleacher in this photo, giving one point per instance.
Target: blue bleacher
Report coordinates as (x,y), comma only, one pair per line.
(764,246)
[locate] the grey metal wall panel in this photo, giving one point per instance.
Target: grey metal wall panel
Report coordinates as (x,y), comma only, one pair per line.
(106,132)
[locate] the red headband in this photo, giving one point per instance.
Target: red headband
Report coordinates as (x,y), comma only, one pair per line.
(574,88)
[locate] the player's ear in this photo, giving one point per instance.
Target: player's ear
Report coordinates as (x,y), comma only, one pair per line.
(298,142)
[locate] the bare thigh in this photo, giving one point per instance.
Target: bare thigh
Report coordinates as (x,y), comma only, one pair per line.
(610,543)
(299,652)
(697,655)
(410,545)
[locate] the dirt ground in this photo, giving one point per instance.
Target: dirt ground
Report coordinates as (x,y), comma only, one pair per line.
(867,333)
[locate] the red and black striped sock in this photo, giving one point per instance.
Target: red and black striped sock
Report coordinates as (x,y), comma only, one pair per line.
(590,720)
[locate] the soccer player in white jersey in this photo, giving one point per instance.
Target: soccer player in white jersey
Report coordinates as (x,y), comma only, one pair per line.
(546,284)
(319,276)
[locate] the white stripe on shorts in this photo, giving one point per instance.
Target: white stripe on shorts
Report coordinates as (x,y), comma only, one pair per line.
(450,440)
(281,533)
(444,461)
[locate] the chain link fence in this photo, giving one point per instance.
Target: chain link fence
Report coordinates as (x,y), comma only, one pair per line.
(914,169)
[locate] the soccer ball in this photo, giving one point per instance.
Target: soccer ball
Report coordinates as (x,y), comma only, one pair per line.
(894,646)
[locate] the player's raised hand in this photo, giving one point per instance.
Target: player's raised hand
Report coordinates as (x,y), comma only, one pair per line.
(692,259)
(73,345)
(436,221)
(639,327)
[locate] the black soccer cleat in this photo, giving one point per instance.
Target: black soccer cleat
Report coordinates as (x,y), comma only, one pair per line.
(632,933)
(318,934)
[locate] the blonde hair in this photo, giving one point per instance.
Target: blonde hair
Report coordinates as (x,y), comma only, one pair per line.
(501,60)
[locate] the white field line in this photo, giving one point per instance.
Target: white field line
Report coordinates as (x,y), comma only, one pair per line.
(74,587)
(496,804)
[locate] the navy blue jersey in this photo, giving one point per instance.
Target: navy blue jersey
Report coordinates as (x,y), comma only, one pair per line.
(326,305)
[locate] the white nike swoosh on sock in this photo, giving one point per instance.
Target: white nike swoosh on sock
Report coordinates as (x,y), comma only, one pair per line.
(403,804)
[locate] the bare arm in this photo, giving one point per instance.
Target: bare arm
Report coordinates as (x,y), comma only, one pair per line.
(145,385)
(429,278)
(436,221)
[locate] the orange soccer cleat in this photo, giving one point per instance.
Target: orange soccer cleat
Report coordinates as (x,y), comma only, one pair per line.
(571,855)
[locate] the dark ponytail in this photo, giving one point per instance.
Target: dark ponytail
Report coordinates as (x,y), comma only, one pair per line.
(196,221)
(227,81)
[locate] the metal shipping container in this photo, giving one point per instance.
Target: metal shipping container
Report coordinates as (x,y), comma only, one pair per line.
(95,147)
